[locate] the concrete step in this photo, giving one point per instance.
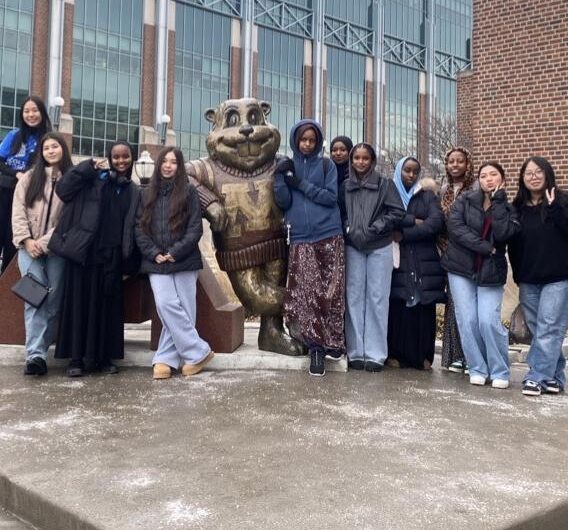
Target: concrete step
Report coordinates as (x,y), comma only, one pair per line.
(137,353)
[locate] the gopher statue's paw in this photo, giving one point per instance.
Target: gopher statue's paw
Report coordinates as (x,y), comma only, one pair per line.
(273,337)
(217,217)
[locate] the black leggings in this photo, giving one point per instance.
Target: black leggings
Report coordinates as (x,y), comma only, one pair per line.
(7,249)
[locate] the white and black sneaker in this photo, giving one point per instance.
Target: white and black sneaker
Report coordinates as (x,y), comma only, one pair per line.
(552,387)
(317,362)
(531,388)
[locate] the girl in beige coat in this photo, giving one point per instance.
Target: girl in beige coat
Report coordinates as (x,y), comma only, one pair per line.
(35,213)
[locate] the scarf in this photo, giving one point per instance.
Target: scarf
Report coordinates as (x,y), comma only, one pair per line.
(405,195)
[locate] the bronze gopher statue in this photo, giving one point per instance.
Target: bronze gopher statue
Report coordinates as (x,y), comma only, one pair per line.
(235,190)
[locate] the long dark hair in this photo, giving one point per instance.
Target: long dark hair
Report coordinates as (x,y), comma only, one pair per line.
(523,194)
(38,173)
(25,131)
(179,206)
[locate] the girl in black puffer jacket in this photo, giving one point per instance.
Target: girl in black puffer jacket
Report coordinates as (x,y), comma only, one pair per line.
(168,231)
(419,281)
(480,224)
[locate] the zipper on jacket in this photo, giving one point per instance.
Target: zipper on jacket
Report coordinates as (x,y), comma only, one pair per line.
(163,218)
(305,208)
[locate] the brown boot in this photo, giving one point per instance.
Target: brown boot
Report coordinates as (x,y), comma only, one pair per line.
(162,371)
(192,369)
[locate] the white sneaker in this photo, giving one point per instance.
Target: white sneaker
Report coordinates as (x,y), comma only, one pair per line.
(500,383)
(477,380)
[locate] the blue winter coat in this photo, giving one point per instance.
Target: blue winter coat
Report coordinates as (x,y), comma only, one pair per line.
(311,210)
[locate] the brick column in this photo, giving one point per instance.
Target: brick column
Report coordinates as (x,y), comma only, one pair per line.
(235,84)
(308,100)
(40,50)
(423,147)
(369,116)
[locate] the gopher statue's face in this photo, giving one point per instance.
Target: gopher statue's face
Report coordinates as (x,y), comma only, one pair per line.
(241,137)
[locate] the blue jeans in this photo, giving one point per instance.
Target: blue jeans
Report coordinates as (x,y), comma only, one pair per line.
(41,322)
(545,307)
(368,282)
(175,296)
(485,341)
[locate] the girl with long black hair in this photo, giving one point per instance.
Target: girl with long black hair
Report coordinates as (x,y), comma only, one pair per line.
(35,213)
(17,153)
(539,257)
(167,233)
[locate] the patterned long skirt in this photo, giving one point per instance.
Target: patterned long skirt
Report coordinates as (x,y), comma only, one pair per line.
(314,305)
(451,343)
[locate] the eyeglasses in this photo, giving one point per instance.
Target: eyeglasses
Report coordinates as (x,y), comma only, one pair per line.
(536,173)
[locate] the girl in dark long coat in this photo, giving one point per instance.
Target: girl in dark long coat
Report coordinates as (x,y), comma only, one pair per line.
(96,236)
(418,283)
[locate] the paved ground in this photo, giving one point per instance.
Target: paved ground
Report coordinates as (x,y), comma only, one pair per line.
(280,450)
(9,522)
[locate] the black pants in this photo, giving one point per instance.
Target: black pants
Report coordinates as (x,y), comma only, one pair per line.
(7,249)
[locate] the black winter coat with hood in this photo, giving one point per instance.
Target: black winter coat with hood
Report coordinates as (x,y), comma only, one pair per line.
(465,224)
(420,274)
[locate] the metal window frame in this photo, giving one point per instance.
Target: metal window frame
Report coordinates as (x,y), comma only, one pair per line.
(348,36)
(278,11)
(224,7)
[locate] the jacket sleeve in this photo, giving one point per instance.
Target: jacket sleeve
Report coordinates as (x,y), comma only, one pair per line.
(75,180)
(326,196)
(145,243)
(392,211)
(183,247)
(463,234)
(20,223)
(282,193)
(505,223)
(431,226)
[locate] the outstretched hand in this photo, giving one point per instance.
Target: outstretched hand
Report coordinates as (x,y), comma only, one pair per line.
(550,195)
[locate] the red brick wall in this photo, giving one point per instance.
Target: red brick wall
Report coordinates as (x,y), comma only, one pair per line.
(66,67)
(369,129)
(148,75)
(516,100)
(40,50)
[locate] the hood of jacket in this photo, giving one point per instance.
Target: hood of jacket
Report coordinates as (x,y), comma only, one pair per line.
(317,152)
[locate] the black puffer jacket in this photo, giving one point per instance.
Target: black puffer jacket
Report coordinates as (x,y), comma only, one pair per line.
(465,225)
(370,210)
(420,273)
(183,248)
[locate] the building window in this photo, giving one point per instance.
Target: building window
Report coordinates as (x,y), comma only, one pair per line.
(280,78)
(105,88)
(15,59)
(345,108)
(401,111)
(356,11)
(202,73)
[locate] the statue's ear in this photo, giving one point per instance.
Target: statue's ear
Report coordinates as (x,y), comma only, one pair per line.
(266,108)
(210,115)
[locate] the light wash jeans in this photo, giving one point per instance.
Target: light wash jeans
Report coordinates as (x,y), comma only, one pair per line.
(545,307)
(175,296)
(484,339)
(368,283)
(41,322)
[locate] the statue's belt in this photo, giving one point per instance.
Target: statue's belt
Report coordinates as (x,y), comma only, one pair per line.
(253,256)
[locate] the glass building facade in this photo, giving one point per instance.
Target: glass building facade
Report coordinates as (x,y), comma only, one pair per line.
(202,76)
(107,62)
(16,29)
(423,46)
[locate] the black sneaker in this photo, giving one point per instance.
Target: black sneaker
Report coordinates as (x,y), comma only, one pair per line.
(552,387)
(333,355)
(356,364)
(35,366)
(372,366)
(317,362)
(531,388)
(109,368)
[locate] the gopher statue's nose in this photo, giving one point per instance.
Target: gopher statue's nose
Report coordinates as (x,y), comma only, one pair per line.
(246,130)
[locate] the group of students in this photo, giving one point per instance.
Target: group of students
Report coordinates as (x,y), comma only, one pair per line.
(79,229)
(369,257)
(383,252)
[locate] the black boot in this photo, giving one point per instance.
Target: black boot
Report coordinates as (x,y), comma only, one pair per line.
(317,361)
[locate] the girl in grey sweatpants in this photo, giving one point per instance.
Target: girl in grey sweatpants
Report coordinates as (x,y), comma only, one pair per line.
(168,232)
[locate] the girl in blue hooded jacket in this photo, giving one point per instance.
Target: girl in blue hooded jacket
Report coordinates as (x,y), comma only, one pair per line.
(306,190)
